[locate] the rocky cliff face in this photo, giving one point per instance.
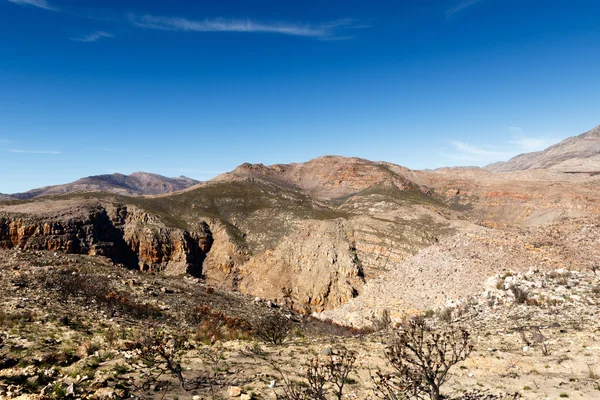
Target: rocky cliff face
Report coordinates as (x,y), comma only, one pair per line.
(124,234)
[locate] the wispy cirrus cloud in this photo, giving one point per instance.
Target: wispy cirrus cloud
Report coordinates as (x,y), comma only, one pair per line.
(35,3)
(324,30)
(92,37)
(19,151)
(484,154)
(528,144)
(340,29)
(463,151)
(460,7)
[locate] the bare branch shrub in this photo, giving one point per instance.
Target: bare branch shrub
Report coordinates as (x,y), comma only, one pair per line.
(316,377)
(321,371)
(159,353)
(384,322)
(339,366)
(422,357)
(213,356)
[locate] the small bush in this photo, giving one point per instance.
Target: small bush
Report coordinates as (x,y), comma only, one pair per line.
(445,314)
(213,326)
(273,328)
(159,353)
(521,294)
(85,349)
(323,375)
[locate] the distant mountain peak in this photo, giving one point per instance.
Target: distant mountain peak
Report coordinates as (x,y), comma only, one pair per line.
(138,183)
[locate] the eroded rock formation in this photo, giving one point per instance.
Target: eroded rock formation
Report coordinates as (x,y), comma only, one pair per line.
(124,234)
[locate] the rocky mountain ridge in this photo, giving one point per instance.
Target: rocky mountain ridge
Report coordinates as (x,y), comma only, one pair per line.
(138,183)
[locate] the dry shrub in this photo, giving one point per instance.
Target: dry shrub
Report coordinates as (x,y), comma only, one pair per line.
(86,349)
(327,327)
(8,319)
(322,375)
(445,314)
(159,353)
(213,326)
(90,289)
(273,328)
(521,294)
(422,358)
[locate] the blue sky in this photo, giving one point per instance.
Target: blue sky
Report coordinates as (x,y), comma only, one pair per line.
(195,87)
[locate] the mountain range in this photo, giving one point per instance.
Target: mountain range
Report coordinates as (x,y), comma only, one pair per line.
(325,235)
(577,154)
(138,183)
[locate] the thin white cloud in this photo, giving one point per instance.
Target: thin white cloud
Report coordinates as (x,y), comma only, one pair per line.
(461,6)
(32,151)
(326,30)
(517,130)
(35,3)
(92,37)
(529,144)
(5,141)
(520,143)
(466,152)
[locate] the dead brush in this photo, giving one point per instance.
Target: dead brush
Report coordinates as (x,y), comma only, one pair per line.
(322,375)
(422,358)
(273,328)
(212,326)
(521,294)
(86,349)
(592,370)
(445,314)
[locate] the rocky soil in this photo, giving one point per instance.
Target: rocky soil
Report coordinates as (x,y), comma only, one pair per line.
(540,342)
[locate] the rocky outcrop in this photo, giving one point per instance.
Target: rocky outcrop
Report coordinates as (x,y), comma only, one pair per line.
(126,235)
(314,268)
